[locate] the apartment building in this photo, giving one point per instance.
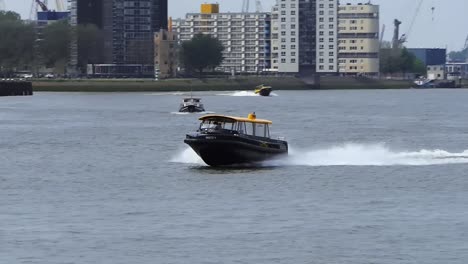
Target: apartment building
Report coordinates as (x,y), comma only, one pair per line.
(128,28)
(307,34)
(358,39)
(288,35)
(245,36)
(327,36)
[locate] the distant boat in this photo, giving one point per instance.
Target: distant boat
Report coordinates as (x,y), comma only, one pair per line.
(191,105)
(263,90)
(227,140)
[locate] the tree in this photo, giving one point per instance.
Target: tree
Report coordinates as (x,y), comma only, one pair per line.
(459,56)
(90,45)
(400,61)
(201,52)
(16,42)
(55,44)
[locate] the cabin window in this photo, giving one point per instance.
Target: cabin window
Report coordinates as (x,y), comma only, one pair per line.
(240,127)
(250,129)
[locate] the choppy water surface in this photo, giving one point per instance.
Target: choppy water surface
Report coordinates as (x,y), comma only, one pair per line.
(372,177)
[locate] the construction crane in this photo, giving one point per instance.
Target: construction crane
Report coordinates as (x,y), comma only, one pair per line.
(466,43)
(59,4)
(396,41)
(2,5)
(259,7)
(42,5)
(245,6)
(405,36)
(382,34)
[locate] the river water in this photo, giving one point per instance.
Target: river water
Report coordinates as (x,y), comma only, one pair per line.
(374,176)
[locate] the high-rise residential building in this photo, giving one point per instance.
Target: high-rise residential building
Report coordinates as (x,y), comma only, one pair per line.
(128,31)
(288,21)
(275,41)
(358,38)
(327,36)
(245,36)
(307,35)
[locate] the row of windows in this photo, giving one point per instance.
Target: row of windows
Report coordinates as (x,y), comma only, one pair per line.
(321,46)
(329,40)
(330,67)
(329,60)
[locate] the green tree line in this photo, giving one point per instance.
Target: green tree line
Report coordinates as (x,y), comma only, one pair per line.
(399,61)
(24,46)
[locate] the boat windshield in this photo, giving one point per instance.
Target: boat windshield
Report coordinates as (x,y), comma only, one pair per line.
(247,128)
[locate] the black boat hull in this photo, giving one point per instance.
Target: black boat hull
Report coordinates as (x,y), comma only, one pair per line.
(191,109)
(265,92)
(225,150)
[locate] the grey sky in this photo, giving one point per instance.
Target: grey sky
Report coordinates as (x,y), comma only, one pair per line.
(448,29)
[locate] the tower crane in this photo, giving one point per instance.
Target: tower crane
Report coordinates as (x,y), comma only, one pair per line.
(245,6)
(42,5)
(396,41)
(382,34)
(399,40)
(60,5)
(259,7)
(466,43)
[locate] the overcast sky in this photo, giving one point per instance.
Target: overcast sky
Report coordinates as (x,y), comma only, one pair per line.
(446,27)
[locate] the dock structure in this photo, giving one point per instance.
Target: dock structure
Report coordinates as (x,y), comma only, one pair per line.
(15,88)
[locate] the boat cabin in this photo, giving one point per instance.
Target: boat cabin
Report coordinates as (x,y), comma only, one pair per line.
(250,126)
(190,100)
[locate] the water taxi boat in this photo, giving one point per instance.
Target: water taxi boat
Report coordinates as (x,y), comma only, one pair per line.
(227,140)
(263,90)
(191,105)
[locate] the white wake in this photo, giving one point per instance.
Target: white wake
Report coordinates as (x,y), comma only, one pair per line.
(240,93)
(351,154)
(369,155)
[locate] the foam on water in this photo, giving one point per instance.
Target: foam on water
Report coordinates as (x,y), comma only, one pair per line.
(240,93)
(351,154)
(166,93)
(187,156)
(187,113)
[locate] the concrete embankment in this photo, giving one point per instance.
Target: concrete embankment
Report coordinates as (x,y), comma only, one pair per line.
(15,88)
(287,83)
(218,84)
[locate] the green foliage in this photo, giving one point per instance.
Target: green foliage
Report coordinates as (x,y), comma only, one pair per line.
(460,56)
(90,45)
(55,44)
(400,61)
(202,52)
(16,42)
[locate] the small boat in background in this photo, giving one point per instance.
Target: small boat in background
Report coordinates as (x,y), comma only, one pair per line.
(263,90)
(227,140)
(191,105)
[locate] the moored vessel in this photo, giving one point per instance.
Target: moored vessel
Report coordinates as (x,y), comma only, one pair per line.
(228,140)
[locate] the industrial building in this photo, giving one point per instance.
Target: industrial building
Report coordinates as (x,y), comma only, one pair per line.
(358,39)
(128,31)
(430,56)
(245,37)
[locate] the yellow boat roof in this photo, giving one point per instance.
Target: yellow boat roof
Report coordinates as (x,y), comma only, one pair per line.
(224,118)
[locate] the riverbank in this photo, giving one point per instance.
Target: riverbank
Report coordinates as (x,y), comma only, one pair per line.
(219,84)
(140,85)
